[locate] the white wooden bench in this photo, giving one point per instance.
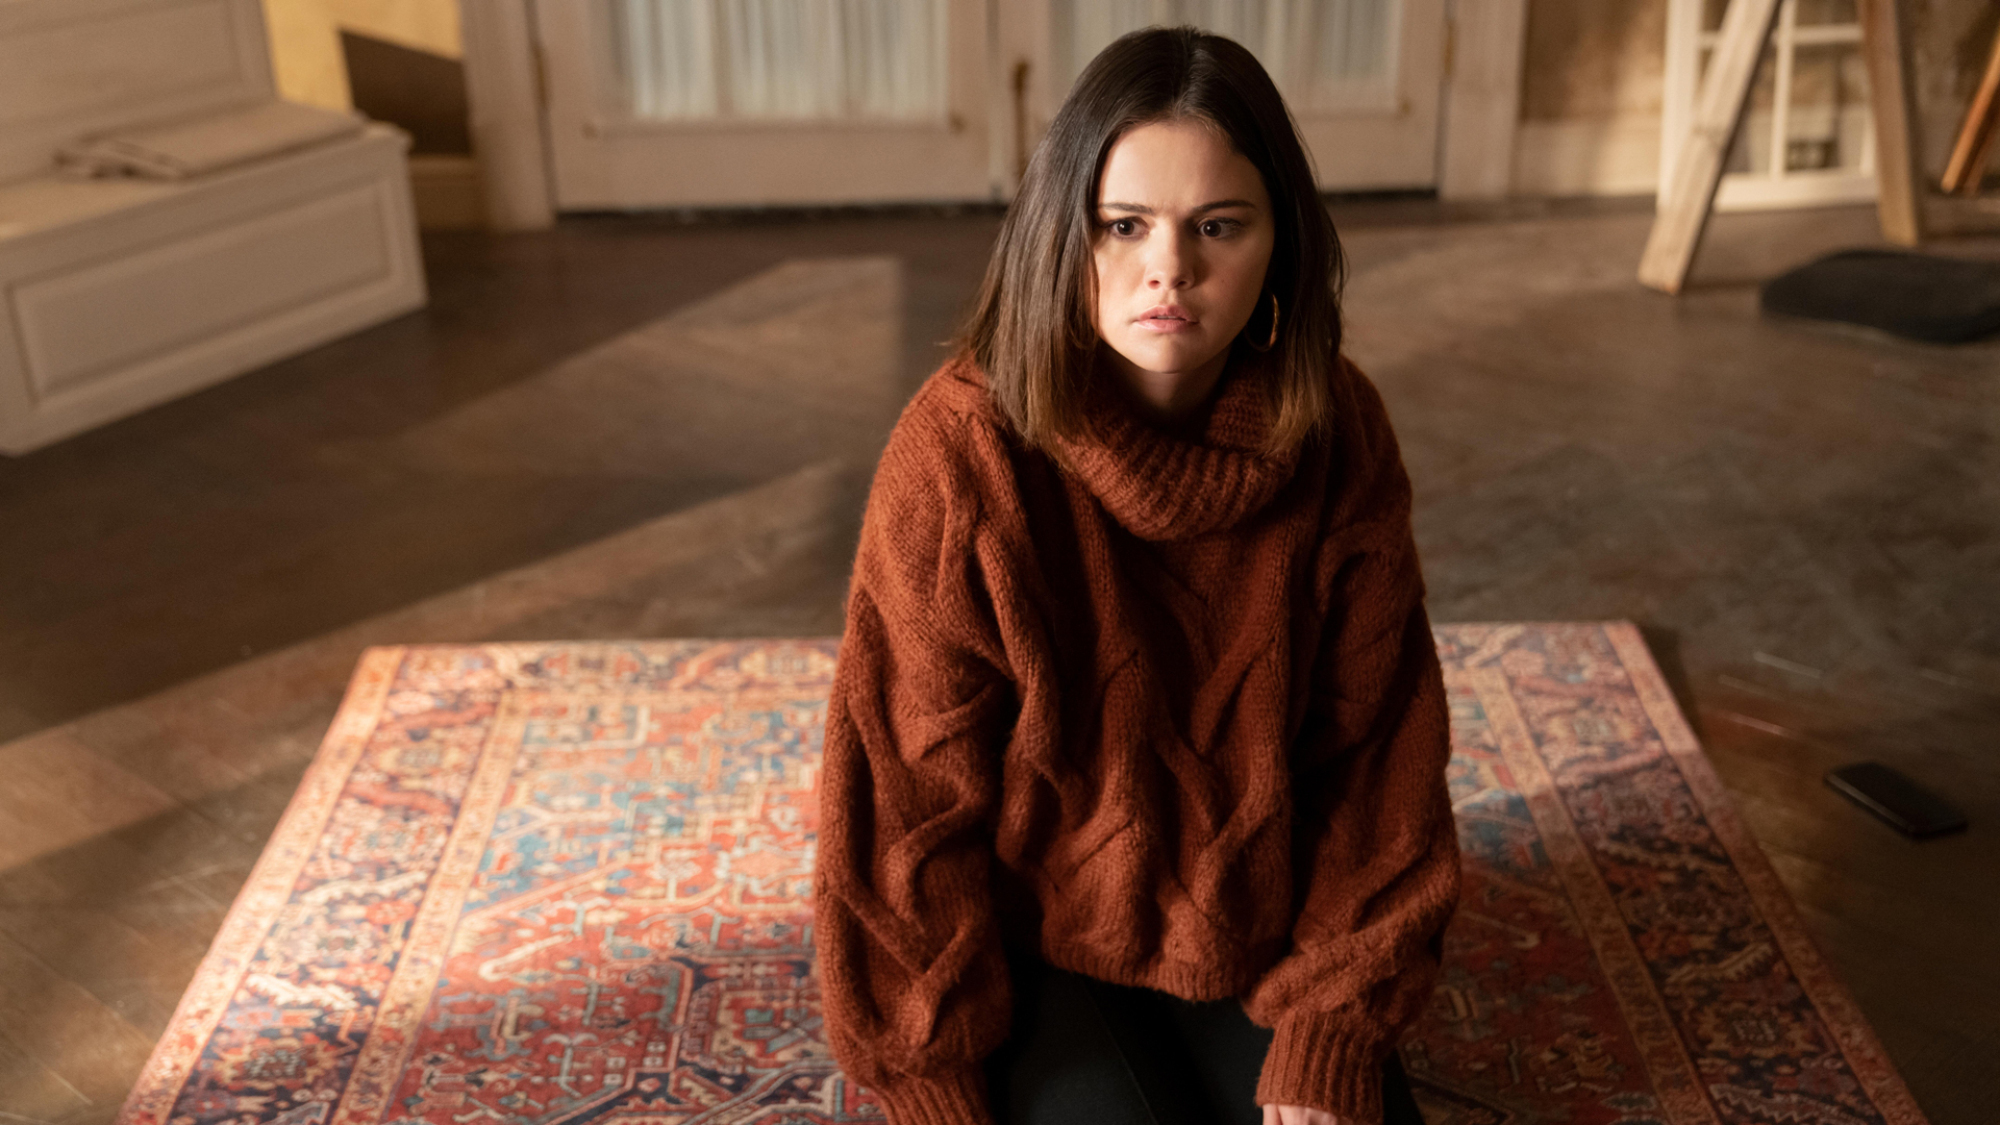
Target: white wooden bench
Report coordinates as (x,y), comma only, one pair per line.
(118,294)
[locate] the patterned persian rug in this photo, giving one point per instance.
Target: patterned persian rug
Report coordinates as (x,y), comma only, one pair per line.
(568,883)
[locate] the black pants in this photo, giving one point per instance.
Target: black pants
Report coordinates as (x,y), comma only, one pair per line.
(1086,1052)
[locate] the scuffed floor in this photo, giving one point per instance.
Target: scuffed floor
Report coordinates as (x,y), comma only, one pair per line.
(633,428)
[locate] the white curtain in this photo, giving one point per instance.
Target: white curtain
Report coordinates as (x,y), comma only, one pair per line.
(1323,54)
(782,59)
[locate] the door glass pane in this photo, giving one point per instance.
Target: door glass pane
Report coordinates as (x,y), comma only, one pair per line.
(798,60)
(1750,152)
(1829,116)
(1325,55)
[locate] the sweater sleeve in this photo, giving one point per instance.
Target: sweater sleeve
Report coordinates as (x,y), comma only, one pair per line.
(912,973)
(1375,844)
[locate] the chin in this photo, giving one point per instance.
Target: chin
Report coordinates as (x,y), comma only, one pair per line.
(1156,355)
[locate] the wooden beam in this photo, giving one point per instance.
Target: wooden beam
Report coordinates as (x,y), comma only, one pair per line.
(1898,191)
(1482,98)
(503,84)
(1975,137)
(1684,202)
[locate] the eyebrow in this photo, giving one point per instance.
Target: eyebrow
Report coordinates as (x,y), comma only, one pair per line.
(1144,210)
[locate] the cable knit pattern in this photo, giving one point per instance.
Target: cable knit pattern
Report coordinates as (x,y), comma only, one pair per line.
(1161,487)
(1170,718)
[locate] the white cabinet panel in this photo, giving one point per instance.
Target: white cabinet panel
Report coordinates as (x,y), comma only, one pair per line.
(196,282)
(79,325)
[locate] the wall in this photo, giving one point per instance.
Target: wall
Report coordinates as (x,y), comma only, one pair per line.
(1950,41)
(1592,78)
(1590,98)
(305,39)
(310,63)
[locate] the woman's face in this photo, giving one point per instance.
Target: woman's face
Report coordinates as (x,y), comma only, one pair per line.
(1183,237)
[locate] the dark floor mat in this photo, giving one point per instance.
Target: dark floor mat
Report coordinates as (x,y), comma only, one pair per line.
(1917,296)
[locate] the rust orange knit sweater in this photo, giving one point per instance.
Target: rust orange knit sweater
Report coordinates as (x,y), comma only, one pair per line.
(1172,719)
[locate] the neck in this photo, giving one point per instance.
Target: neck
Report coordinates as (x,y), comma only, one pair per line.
(1167,396)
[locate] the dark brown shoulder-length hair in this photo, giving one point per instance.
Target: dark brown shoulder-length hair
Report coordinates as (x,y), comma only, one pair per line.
(1031,330)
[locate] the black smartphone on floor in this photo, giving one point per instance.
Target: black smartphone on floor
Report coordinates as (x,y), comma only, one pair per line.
(1908,807)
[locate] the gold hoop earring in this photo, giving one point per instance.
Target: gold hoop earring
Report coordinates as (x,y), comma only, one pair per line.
(1273,341)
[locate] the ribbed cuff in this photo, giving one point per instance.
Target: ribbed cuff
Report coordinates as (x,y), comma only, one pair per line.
(958,1098)
(1316,1061)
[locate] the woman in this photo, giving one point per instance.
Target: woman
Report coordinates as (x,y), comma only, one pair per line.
(1134,804)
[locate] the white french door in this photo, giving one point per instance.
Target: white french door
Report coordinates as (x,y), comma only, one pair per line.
(663,103)
(1364,78)
(667,103)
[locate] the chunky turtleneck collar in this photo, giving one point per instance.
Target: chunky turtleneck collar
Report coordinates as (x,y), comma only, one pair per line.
(1160,485)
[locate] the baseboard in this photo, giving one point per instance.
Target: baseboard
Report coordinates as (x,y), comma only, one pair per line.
(1947,216)
(447,192)
(1602,156)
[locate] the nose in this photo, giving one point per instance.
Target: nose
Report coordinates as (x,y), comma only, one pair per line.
(1169,265)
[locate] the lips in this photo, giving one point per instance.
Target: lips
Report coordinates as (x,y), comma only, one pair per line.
(1167,320)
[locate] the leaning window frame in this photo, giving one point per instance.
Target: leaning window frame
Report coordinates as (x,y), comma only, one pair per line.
(1775,186)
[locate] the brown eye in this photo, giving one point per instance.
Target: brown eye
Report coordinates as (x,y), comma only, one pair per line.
(1121,227)
(1215,228)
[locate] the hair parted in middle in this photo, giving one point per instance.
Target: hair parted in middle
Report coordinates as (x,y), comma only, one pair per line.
(1032,330)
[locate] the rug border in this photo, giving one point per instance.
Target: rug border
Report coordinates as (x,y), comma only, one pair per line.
(1677,1083)
(265,892)
(407,997)
(1853,1035)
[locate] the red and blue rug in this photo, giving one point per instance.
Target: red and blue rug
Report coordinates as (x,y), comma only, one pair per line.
(568,883)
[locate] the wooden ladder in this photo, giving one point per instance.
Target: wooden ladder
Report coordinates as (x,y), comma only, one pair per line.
(1687,200)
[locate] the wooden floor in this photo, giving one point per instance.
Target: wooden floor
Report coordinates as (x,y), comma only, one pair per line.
(636,428)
